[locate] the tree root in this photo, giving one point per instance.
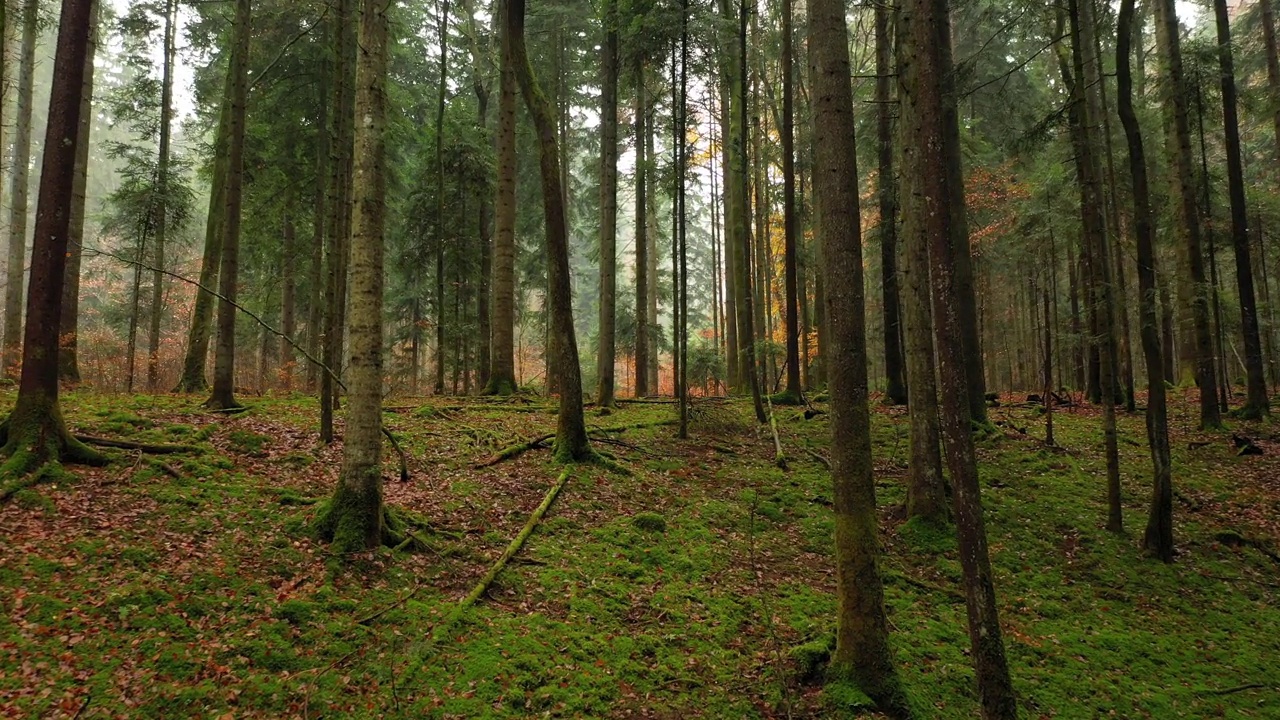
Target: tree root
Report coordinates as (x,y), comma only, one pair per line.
(48,472)
(404,460)
(149,448)
(541,441)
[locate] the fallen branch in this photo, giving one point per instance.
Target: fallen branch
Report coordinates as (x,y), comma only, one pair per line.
(515,450)
(1238,688)
(517,542)
(821,460)
(148,448)
(955,594)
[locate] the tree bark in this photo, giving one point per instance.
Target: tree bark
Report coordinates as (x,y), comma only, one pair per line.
(924,64)
(641,107)
(1256,404)
(35,432)
(1197,330)
(161,208)
(19,192)
(862,634)
(353,520)
(608,206)
(443,28)
(502,372)
(571,430)
(69,325)
(887,191)
(223,396)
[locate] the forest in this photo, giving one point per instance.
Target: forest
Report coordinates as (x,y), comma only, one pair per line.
(639,358)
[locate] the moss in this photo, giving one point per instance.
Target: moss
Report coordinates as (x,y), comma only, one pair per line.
(500,386)
(649,522)
(786,397)
(810,660)
(352,519)
(248,443)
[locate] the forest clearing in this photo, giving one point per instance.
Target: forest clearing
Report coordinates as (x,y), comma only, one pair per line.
(697,585)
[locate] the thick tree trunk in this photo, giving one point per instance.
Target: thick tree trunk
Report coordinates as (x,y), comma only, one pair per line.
(68,333)
(924,64)
(571,430)
(502,371)
(161,207)
(19,193)
(223,396)
(1197,329)
(353,519)
(1158,538)
(1256,403)
(339,190)
(608,207)
(35,432)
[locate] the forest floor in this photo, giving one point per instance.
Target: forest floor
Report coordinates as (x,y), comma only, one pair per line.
(186,586)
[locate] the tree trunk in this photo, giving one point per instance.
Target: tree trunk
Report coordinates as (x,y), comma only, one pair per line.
(748,361)
(502,370)
(571,430)
(1197,330)
(339,233)
(641,108)
(862,634)
(443,28)
(924,64)
(288,319)
(35,432)
(1256,403)
(68,333)
(353,519)
(161,208)
(1158,538)
(608,206)
(484,212)
(224,357)
(19,192)
(315,297)
(1273,64)
(896,389)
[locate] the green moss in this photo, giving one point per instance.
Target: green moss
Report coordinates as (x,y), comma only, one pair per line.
(649,522)
(248,443)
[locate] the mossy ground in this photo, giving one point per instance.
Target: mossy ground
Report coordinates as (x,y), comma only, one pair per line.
(679,590)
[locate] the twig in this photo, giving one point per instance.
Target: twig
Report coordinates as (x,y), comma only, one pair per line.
(821,460)
(83,705)
(391,607)
(142,447)
(1238,688)
(779,458)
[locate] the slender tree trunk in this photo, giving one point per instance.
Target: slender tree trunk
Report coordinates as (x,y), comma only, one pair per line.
(924,64)
(316,278)
(19,193)
(502,372)
(790,224)
(896,389)
(161,208)
(1273,64)
(571,430)
(443,27)
(288,315)
(35,431)
(728,197)
(682,169)
(484,214)
(68,333)
(1256,404)
(862,650)
(1194,302)
(608,207)
(748,360)
(135,302)
(223,396)
(353,519)
(339,233)
(193,378)
(642,243)
(1158,538)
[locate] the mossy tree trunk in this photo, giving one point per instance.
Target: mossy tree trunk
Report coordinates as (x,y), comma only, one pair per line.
(571,430)
(68,333)
(502,368)
(223,395)
(35,432)
(353,520)
(862,634)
